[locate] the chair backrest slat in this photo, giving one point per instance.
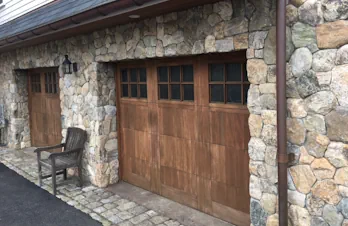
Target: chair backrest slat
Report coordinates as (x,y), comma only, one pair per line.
(75,139)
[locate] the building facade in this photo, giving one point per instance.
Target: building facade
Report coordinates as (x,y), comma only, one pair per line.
(184,104)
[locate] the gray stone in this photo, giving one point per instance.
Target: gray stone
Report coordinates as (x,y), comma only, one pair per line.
(214,19)
(296,108)
(311,13)
(271,155)
(324,78)
(337,154)
(324,60)
(291,89)
(175,38)
(183,48)
(150,41)
(268,102)
(342,55)
(269,135)
(314,205)
(315,123)
(307,84)
(337,122)
(224,9)
(343,207)
(318,221)
(256,149)
(224,45)
(236,26)
(303,35)
(339,84)
(257,39)
(297,198)
(198,47)
(210,44)
(321,102)
(335,10)
(299,216)
(270,46)
(332,216)
(301,61)
(170,50)
(254,99)
(258,215)
(111,145)
(316,144)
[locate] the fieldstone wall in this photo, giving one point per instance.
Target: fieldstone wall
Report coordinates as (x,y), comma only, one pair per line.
(317,78)
(318,113)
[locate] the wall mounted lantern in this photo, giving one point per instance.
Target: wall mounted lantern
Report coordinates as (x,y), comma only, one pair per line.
(68,67)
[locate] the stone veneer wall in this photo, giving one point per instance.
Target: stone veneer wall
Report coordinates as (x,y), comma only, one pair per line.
(316,134)
(318,112)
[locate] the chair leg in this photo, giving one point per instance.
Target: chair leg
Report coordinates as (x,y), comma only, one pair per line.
(65,174)
(39,169)
(54,184)
(80,176)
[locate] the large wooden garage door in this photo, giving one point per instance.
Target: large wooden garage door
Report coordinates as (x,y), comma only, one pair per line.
(184,131)
(44,107)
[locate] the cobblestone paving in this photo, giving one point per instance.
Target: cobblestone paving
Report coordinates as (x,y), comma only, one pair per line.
(103,206)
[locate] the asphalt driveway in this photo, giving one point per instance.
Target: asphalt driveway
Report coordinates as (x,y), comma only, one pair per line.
(22,203)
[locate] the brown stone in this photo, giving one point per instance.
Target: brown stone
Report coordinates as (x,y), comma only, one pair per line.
(332,35)
(303,177)
(305,158)
(257,71)
(328,191)
(322,169)
(255,125)
(296,131)
(341,176)
(241,41)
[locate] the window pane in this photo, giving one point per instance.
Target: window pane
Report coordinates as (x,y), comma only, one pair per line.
(246,89)
(142,72)
(134,90)
(124,75)
(143,91)
(163,90)
(234,72)
(234,93)
(163,74)
(245,73)
(217,72)
(124,90)
(175,91)
(133,75)
(188,92)
(217,93)
(175,74)
(187,73)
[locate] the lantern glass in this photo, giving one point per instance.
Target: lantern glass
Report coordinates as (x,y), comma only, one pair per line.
(67,65)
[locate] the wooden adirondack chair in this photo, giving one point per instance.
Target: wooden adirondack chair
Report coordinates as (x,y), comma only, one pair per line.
(71,156)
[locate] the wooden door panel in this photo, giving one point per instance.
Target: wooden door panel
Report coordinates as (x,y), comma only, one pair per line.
(45,112)
(192,152)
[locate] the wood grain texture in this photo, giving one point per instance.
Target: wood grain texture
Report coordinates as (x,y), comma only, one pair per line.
(44,111)
(192,152)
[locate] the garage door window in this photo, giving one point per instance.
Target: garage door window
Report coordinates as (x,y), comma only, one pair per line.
(176,83)
(133,83)
(35,83)
(228,83)
(51,82)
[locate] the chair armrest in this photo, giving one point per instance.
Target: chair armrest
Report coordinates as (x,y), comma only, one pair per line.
(65,153)
(48,148)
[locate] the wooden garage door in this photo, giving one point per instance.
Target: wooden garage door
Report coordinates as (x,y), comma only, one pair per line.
(44,107)
(184,131)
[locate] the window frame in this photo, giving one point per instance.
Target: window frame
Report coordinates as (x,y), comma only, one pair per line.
(181,83)
(138,83)
(225,83)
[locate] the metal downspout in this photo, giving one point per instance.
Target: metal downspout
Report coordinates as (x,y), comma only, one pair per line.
(281,113)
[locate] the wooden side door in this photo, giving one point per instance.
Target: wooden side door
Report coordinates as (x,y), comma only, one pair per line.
(44,107)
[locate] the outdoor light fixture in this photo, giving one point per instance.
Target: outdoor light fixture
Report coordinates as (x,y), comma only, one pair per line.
(68,67)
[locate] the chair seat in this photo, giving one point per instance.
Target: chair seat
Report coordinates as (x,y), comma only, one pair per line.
(61,163)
